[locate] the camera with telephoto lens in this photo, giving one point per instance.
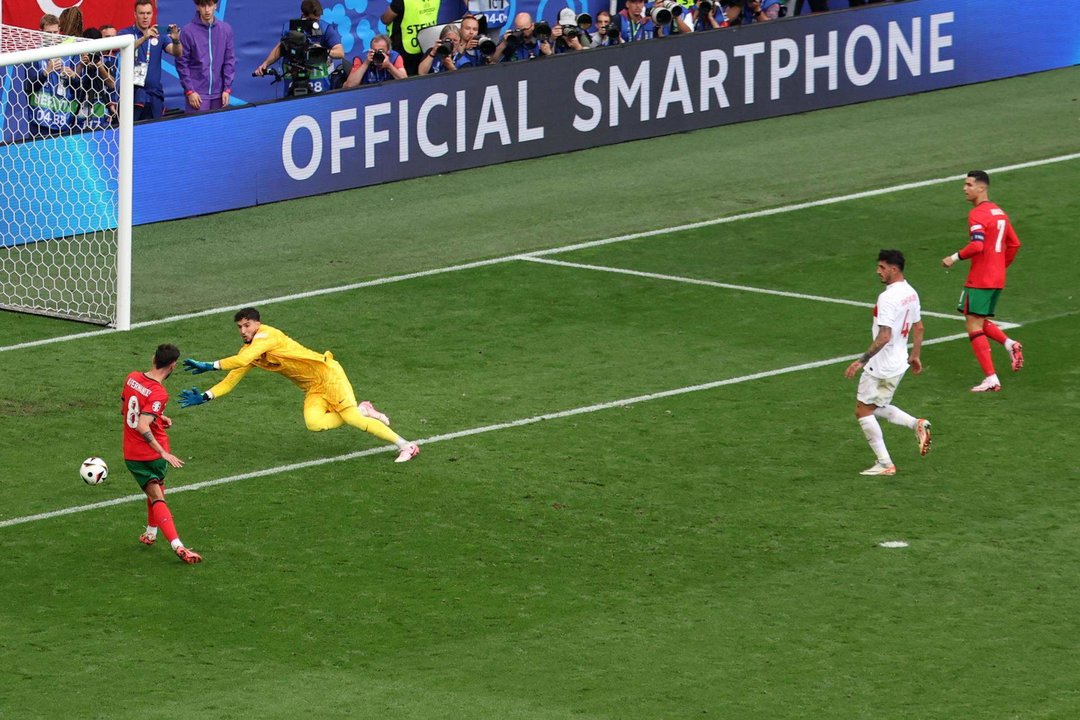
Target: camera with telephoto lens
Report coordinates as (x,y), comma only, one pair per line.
(485,45)
(378,58)
(541,30)
(705,7)
(665,11)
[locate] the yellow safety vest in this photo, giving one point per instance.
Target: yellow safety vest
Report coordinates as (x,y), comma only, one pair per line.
(418,15)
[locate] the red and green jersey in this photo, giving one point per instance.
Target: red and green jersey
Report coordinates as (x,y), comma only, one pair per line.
(143,395)
(992,246)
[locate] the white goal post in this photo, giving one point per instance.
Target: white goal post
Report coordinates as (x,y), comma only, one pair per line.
(66,149)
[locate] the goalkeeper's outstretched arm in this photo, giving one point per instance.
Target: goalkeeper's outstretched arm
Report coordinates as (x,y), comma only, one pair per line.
(193,396)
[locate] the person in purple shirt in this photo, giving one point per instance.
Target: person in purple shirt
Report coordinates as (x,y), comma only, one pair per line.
(207,64)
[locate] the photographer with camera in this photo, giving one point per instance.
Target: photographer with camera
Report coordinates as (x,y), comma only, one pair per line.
(606,32)
(379,65)
(762,11)
(308,48)
(93,92)
(525,41)
(568,34)
(667,17)
(476,48)
(442,56)
(151,41)
(634,25)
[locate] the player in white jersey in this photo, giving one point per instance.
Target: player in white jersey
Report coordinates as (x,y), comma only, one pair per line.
(896,316)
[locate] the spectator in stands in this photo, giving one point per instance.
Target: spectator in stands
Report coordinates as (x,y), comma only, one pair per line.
(71,22)
(48,87)
(566,36)
(442,56)
(380,64)
(404,19)
(605,33)
(149,44)
(328,37)
(523,42)
(634,25)
(93,93)
(761,11)
(207,62)
(112,62)
(471,54)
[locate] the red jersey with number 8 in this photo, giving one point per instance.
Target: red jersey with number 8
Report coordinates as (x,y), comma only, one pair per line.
(141,395)
(988,224)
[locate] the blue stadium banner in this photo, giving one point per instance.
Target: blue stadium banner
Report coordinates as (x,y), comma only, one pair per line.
(410,128)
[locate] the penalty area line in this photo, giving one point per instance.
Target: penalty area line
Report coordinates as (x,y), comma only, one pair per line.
(558,415)
(723,220)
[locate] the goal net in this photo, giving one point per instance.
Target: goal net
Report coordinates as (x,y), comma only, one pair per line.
(65,176)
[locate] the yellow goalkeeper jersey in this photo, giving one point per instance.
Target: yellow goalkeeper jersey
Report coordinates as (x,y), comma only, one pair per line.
(275,351)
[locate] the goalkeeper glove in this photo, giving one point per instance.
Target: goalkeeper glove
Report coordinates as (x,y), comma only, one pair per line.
(192,397)
(195,367)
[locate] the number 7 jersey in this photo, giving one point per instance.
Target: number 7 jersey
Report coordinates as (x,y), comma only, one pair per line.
(988,224)
(141,395)
(898,309)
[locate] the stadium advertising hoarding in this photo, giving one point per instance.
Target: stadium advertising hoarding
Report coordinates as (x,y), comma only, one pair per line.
(404,129)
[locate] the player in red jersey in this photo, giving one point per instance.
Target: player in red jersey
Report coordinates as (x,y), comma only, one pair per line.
(146,445)
(991,248)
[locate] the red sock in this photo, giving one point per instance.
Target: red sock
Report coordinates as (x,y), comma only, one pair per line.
(163,519)
(994,332)
(981,347)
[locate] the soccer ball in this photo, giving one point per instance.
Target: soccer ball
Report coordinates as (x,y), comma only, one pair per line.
(94,471)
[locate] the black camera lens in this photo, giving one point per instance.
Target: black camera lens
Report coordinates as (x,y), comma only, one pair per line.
(378,57)
(445,48)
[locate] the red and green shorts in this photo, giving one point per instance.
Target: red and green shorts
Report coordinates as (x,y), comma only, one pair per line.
(979,301)
(146,471)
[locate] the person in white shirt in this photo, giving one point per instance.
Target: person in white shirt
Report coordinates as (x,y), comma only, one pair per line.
(896,316)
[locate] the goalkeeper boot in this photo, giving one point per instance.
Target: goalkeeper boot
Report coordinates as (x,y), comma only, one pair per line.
(922,433)
(1017,354)
(147,539)
(880,469)
(189,556)
(368,410)
(408,453)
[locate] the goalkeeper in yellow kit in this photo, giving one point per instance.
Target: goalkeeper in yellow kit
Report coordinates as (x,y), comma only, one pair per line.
(329,401)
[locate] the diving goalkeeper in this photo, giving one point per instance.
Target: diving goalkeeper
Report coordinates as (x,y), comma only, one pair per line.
(329,400)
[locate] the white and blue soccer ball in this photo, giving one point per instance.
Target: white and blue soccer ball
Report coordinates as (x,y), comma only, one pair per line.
(94,470)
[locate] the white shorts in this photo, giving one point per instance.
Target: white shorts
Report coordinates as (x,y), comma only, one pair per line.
(877,391)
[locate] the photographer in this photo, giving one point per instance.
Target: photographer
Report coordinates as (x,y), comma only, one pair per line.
(93,93)
(634,25)
(706,11)
(567,35)
(606,34)
(475,49)
(762,11)
(151,41)
(317,35)
(526,41)
(442,57)
(667,16)
(379,65)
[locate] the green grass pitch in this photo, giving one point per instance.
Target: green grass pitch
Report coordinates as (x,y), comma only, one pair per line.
(662,552)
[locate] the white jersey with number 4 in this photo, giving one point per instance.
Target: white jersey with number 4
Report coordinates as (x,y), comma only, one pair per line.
(897,308)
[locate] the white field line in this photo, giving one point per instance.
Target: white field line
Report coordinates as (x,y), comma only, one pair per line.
(554,251)
(453,436)
(725,286)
